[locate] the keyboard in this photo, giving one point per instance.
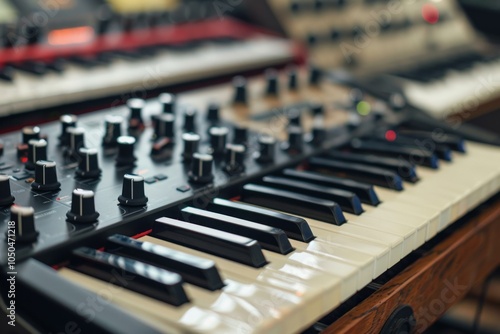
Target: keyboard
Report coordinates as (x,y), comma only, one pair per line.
(39,77)
(257,206)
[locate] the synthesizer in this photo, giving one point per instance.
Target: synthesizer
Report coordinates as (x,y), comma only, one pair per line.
(74,58)
(427,49)
(257,206)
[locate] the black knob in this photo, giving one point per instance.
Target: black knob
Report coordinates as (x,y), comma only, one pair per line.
(295,142)
(317,109)
(30,132)
(67,121)
(89,165)
(133,191)
(76,140)
(191,142)
(201,168)
(272,88)
(318,134)
(234,162)
(45,176)
(314,76)
(112,130)
(24,222)
(240,90)
(218,139)
(190,119)
(6,197)
(37,150)
(240,135)
(164,126)
(135,121)
(125,155)
(292,78)
(213,113)
(294,117)
(167,102)
(82,207)
(267,149)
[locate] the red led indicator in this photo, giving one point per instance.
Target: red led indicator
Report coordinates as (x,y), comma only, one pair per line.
(24,160)
(390,135)
(430,13)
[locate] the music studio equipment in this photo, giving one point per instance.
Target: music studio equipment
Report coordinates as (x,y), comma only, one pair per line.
(428,50)
(56,53)
(256,206)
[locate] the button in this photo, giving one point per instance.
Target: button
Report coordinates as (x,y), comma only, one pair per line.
(184,188)
(160,177)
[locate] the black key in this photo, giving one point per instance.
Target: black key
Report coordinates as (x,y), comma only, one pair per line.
(270,238)
(309,206)
(404,169)
(454,142)
(374,175)
(57,65)
(7,73)
(56,304)
(227,245)
(441,151)
(347,200)
(32,67)
(364,191)
(140,277)
(412,154)
(294,227)
(193,269)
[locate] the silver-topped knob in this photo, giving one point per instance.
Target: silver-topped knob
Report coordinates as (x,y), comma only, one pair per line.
(218,139)
(82,207)
(30,132)
(24,223)
(133,191)
(191,143)
(112,130)
(201,168)
(6,197)
(88,166)
(37,150)
(267,149)
(168,102)
(234,161)
(125,156)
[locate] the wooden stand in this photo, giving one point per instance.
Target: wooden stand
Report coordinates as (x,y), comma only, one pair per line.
(436,281)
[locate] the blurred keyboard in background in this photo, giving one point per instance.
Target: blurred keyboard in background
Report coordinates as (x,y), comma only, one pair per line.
(429,49)
(55,54)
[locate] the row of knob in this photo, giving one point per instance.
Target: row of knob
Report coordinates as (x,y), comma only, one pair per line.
(82,206)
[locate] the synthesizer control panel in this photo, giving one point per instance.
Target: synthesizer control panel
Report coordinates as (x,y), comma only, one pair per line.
(240,131)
